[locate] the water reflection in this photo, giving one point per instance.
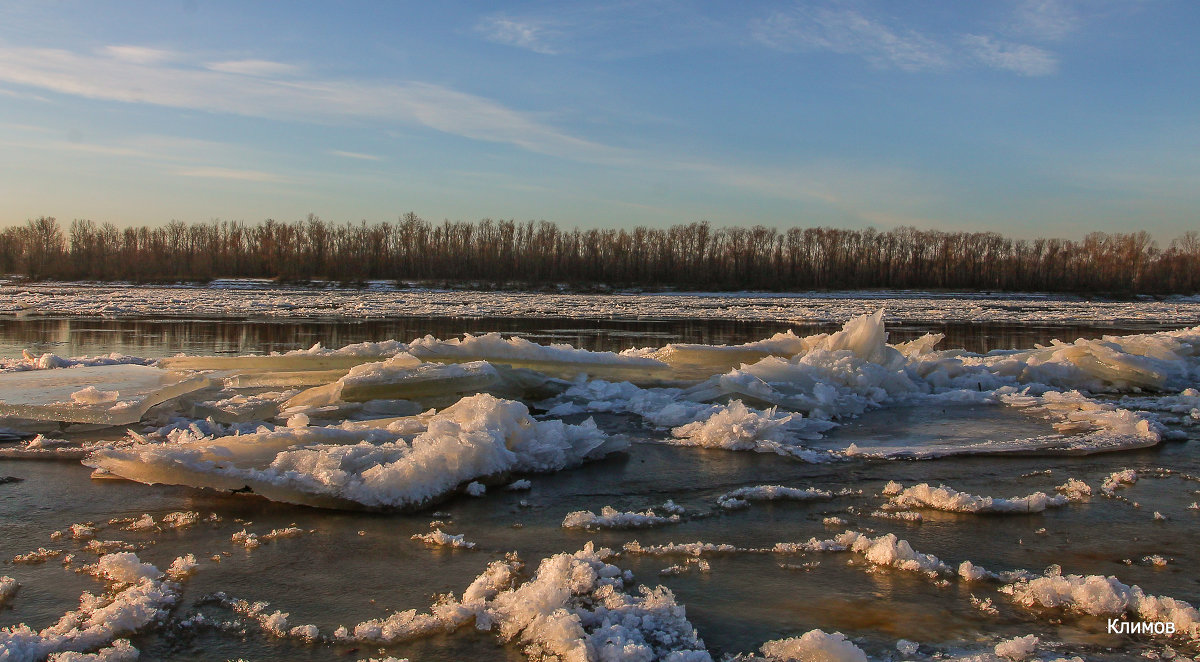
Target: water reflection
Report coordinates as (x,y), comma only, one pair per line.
(156,338)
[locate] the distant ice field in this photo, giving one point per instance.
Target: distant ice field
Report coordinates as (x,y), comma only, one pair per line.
(259,299)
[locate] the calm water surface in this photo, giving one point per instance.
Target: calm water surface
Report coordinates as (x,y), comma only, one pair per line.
(157,338)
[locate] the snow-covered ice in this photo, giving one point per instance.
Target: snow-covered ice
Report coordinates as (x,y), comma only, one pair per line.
(263,299)
(951,500)
(611,518)
(408,463)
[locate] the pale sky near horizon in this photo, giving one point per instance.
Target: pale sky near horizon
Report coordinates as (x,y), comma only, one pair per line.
(1025,117)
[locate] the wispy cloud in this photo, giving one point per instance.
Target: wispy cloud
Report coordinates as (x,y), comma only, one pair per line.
(179,84)
(171,155)
(849,32)
(263,68)
(151,148)
(139,54)
(1045,19)
(1020,58)
(93,148)
(355,155)
(13,94)
(530,34)
(230,173)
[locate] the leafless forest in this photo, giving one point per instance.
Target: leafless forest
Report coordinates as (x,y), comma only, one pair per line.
(693,256)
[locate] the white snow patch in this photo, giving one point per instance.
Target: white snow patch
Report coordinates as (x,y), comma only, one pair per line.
(90,395)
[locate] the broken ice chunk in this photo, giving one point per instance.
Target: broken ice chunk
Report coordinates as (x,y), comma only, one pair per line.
(700,361)
(105,395)
(270,378)
(8,588)
(408,464)
(395,380)
(273,362)
(558,360)
(1110,364)
(237,409)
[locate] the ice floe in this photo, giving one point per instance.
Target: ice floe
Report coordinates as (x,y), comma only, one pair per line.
(8,589)
(814,645)
(268,299)
(737,427)
(398,379)
(1118,480)
(408,463)
(611,518)
(108,395)
(556,360)
(1017,648)
(439,538)
(950,500)
(743,495)
(573,607)
(1097,595)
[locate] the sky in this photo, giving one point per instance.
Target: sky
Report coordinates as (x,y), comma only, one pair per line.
(1025,117)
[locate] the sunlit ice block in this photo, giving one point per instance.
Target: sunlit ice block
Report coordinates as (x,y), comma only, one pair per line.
(282,378)
(274,362)
(236,409)
(407,463)
(105,395)
(560,361)
(401,379)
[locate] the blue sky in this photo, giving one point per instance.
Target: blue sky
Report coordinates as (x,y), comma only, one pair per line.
(1026,117)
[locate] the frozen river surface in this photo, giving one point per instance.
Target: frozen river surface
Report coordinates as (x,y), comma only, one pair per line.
(255,299)
(976,497)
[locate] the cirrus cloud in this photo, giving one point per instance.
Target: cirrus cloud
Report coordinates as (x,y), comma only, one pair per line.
(532,35)
(263,68)
(849,32)
(257,88)
(1019,58)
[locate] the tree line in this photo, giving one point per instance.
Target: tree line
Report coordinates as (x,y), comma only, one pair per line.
(690,256)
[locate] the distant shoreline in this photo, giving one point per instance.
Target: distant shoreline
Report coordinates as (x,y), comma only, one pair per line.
(542,257)
(414,286)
